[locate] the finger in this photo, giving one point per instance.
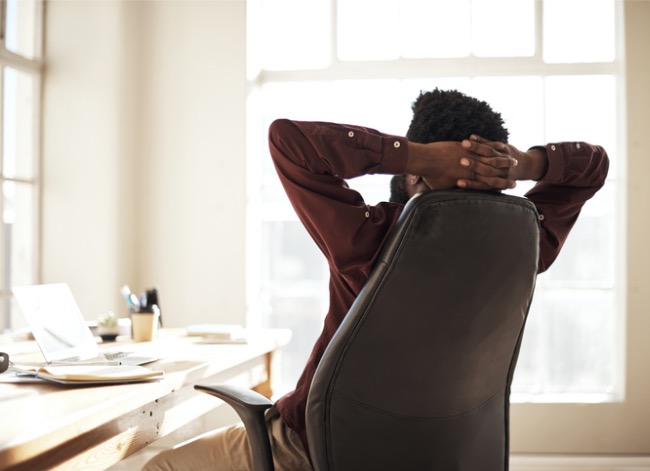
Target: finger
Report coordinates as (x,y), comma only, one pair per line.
(491,184)
(498,182)
(497,162)
(480,176)
(480,149)
(472,185)
(482,140)
(493,166)
(477,138)
(486,148)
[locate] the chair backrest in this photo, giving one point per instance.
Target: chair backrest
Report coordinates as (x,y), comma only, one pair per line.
(418,375)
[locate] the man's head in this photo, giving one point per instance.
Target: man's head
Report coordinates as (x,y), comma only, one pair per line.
(446,115)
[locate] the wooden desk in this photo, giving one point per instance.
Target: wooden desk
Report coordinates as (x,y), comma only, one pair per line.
(47,426)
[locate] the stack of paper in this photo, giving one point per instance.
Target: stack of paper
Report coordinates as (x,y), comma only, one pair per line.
(218,333)
(90,374)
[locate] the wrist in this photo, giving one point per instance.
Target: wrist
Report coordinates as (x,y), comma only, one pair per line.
(534,164)
(421,157)
(414,161)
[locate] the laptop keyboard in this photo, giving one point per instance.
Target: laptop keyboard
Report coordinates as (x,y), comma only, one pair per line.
(115,355)
(106,355)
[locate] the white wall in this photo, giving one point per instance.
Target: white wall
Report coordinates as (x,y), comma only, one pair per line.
(83,151)
(143,154)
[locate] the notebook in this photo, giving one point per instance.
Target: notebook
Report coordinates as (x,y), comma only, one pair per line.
(83,375)
(60,330)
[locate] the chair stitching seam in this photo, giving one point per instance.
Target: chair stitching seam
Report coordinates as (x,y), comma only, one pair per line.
(413,417)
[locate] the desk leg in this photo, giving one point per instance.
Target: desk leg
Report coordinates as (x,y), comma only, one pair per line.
(264,388)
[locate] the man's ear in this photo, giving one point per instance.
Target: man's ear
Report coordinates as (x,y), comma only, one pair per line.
(412,180)
(414,184)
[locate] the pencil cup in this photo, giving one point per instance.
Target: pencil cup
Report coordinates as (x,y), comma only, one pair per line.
(144,324)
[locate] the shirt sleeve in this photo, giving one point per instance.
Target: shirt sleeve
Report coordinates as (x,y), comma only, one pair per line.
(313,161)
(576,171)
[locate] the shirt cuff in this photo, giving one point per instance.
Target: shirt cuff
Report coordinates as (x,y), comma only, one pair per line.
(556,157)
(395,155)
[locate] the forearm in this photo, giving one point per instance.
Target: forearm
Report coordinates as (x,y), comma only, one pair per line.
(343,151)
(312,161)
(576,164)
(576,171)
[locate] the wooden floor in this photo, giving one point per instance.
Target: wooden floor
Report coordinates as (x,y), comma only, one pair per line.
(225,415)
(579,463)
(517,463)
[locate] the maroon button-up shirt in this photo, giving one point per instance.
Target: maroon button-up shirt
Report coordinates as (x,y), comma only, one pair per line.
(313,160)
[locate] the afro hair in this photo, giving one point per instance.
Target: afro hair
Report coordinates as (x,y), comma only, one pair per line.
(450,115)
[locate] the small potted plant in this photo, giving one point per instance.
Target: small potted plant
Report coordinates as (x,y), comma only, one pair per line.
(108,327)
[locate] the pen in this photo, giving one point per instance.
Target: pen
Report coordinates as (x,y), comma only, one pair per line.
(130,298)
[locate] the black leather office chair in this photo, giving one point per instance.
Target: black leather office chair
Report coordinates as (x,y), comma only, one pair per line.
(418,375)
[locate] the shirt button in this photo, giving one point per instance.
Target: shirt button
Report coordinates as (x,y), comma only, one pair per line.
(553,147)
(351,134)
(396,144)
(541,217)
(367,214)
(578,145)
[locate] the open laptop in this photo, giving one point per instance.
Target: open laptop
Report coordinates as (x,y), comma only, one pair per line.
(60,330)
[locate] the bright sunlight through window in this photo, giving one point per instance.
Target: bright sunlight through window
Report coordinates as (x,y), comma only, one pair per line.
(550,67)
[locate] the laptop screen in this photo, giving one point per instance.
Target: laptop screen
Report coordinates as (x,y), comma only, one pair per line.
(56,322)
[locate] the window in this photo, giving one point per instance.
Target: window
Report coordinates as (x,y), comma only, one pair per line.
(20,98)
(550,67)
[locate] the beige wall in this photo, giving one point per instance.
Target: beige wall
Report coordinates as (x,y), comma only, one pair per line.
(638,216)
(143,154)
(83,150)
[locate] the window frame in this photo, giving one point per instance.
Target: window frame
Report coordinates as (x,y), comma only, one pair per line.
(34,67)
(559,428)
(470,67)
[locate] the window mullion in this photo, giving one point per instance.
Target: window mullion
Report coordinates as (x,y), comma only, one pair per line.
(466,67)
(3,27)
(334,37)
(19,62)
(5,322)
(539,30)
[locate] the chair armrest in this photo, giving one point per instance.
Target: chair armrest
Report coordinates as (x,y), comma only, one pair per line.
(250,406)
